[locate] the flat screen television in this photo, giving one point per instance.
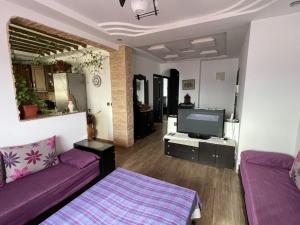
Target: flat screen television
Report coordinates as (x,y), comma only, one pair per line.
(201,123)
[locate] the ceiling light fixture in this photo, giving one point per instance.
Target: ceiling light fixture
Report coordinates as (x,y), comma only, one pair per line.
(171,56)
(203,40)
(295,3)
(188,51)
(139,7)
(156,47)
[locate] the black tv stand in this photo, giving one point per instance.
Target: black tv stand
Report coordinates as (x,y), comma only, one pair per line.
(199,136)
(214,151)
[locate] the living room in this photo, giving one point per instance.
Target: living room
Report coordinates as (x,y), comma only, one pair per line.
(242,57)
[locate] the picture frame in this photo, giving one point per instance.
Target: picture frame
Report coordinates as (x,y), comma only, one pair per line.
(188,84)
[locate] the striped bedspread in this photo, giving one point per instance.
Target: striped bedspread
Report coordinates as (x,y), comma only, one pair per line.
(125,197)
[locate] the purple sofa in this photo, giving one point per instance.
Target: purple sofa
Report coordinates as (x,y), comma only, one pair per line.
(271,197)
(25,199)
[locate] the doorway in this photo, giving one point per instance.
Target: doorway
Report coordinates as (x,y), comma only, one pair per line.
(158,92)
(165,95)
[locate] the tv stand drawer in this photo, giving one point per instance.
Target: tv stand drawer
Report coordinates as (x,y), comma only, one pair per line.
(181,151)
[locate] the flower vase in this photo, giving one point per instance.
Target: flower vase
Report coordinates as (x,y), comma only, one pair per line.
(91,132)
(71,106)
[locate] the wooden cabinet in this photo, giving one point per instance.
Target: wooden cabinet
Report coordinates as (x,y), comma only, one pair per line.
(49,70)
(38,78)
(218,155)
(225,156)
(143,123)
(206,154)
(23,72)
(181,151)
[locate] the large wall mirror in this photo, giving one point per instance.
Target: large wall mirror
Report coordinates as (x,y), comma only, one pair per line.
(51,72)
(140,88)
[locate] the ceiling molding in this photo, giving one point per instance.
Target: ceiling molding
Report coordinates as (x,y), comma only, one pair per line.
(242,7)
(143,53)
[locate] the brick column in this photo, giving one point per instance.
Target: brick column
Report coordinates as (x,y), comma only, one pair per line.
(122,92)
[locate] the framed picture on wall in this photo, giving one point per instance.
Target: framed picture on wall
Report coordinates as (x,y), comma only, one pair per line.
(188,84)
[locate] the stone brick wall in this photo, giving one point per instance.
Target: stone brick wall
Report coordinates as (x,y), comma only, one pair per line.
(122,92)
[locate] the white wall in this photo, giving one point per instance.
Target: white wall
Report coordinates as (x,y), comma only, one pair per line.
(189,69)
(243,68)
(147,67)
(69,128)
(213,94)
(271,106)
(218,93)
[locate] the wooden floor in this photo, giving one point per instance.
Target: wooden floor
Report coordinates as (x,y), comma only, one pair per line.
(219,189)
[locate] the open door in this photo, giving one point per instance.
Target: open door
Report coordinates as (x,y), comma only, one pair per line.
(158,98)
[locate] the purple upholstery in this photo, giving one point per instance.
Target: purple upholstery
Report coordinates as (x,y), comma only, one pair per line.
(78,158)
(271,196)
(26,198)
(272,159)
(2,180)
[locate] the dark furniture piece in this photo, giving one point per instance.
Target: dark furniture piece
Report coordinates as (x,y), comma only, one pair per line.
(105,151)
(173,92)
(212,153)
(271,196)
(33,198)
(143,125)
(143,114)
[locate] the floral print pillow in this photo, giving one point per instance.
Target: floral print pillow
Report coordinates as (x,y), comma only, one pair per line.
(295,171)
(20,161)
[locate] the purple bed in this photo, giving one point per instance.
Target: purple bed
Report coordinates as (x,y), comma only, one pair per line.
(125,197)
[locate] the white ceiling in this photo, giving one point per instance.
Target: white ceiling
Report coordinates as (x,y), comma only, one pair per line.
(177,19)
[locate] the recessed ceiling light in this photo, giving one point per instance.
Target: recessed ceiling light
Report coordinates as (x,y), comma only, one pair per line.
(171,56)
(188,51)
(209,52)
(157,47)
(294,3)
(203,40)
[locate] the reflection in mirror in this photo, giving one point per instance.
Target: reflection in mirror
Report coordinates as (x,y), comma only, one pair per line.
(51,73)
(140,90)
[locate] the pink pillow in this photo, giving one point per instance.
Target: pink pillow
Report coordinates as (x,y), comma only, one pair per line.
(295,171)
(23,160)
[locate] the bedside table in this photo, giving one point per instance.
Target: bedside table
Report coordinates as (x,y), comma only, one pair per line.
(105,151)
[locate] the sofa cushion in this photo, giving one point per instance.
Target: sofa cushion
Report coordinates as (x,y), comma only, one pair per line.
(295,171)
(271,159)
(2,180)
(25,199)
(270,195)
(23,160)
(78,158)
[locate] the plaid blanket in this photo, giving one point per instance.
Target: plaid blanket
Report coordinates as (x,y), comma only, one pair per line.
(125,197)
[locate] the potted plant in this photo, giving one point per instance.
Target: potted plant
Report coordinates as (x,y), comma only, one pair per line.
(29,103)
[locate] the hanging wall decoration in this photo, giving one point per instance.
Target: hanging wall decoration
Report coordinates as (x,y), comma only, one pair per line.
(188,84)
(96,80)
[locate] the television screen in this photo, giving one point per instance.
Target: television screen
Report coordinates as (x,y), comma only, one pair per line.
(201,122)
